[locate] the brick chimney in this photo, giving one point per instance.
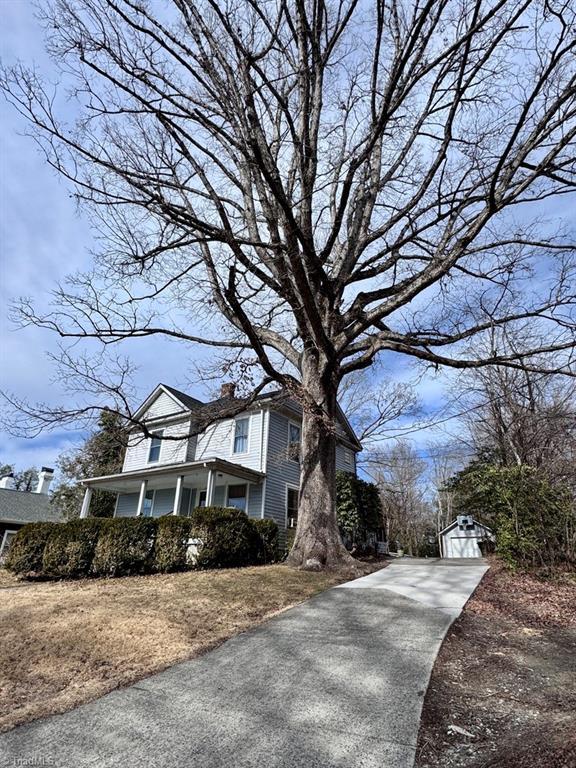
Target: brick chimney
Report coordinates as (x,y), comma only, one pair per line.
(44,480)
(7,482)
(227,390)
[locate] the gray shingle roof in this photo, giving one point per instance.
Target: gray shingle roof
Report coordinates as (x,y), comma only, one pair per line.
(26,507)
(189,402)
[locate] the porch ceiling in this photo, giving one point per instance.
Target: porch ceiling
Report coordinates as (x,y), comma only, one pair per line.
(195,475)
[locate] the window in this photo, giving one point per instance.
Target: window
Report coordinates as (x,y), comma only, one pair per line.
(348,457)
(241,436)
(202,499)
(148,503)
(237,496)
(292,497)
(155,444)
(294,435)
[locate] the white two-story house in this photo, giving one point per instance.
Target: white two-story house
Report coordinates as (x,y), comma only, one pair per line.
(249,461)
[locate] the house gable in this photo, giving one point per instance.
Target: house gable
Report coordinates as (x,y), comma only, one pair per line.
(161,403)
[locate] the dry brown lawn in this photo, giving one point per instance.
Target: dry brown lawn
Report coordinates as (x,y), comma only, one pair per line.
(65,643)
(7,579)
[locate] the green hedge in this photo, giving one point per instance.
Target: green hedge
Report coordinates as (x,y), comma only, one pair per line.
(69,550)
(27,549)
(125,546)
(269,540)
(170,552)
(230,539)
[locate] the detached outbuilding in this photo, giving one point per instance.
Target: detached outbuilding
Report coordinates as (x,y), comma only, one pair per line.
(462,538)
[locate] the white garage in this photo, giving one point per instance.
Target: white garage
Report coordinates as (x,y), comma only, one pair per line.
(463,536)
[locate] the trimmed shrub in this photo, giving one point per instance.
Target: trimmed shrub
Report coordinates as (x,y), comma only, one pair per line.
(136,545)
(269,540)
(70,548)
(229,537)
(171,548)
(125,546)
(27,549)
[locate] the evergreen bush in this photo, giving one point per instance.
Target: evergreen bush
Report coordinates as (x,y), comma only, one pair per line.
(70,548)
(269,540)
(27,549)
(137,545)
(125,546)
(358,508)
(533,520)
(229,538)
(171,548)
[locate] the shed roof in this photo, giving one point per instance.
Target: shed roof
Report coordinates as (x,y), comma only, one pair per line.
(26,507)
(455,522)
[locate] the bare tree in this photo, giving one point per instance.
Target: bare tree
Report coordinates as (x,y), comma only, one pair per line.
(522,417)
(375,406)
(399,472)
(444,466)
(309,184)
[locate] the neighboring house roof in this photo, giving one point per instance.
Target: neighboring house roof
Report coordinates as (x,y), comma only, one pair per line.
(220,407)
(22,507)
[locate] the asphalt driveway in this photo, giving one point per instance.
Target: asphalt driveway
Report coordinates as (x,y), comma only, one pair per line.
(336,682)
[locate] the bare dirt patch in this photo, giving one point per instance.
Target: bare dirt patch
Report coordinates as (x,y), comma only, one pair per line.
(68,642)
(506,676)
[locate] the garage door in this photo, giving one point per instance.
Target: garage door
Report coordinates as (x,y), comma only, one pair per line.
(464,546)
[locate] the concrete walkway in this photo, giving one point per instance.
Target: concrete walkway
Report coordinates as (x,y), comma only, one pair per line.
(336,682)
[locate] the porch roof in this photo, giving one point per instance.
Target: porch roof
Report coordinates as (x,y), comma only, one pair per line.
(193,472)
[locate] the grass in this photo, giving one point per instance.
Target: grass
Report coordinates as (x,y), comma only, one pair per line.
(7,579)
(65,643)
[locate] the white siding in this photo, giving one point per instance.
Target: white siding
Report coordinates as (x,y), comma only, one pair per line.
(191,450)
(175,451)
(464,543)
(136,452)
(217,441)
(171,451)
(163,405)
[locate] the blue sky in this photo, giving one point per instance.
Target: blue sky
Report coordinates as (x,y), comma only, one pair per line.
(43,237)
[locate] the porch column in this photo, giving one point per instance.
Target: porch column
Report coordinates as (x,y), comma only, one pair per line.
(210,488)
(140,507)
(86,502)
(178,495)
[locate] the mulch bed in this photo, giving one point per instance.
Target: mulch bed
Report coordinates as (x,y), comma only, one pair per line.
(506,676)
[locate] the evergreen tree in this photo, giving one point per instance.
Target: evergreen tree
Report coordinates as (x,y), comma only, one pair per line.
(101,454)
(25,480)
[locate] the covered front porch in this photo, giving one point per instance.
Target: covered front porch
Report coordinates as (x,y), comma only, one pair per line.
(175,489)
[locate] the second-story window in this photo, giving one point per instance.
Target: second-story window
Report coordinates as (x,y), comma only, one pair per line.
(294,435)
(241,436)
(155,444)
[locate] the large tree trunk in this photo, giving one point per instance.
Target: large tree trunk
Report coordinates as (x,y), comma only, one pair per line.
(318,543)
